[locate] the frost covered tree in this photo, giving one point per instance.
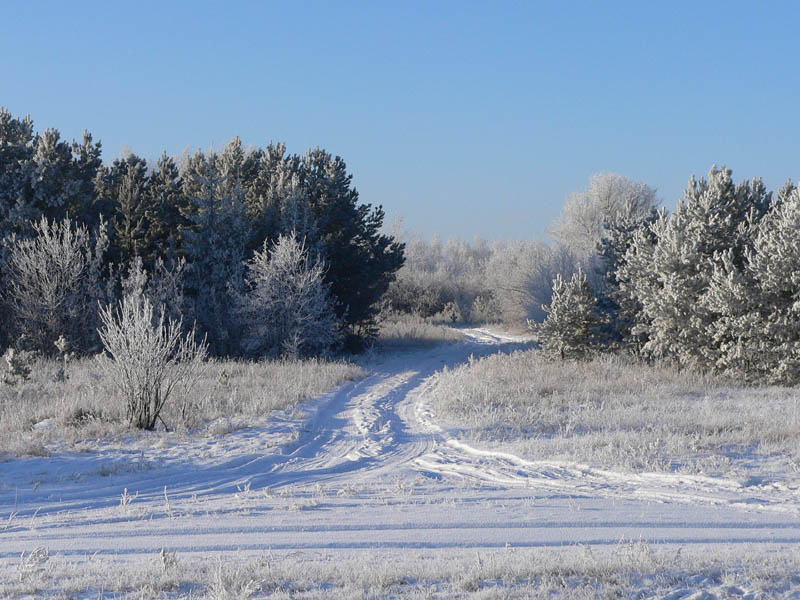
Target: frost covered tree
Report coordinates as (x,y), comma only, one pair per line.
(586,215)
(166,207)
(435,276)
(214,246)
(16,152)
(130,224)
(53,284)
(213,212)
(520,278)
(287,308)
(573,328)
(271,174)
(669,268)
(147,357)
(614,297)
(758,299)
(42,175)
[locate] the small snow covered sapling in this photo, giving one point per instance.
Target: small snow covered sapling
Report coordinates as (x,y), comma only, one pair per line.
(573,327)
(18,366)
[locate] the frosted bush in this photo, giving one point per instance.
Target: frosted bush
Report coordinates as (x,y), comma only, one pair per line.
(147,357)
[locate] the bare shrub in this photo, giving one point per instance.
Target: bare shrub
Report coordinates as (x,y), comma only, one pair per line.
(148,357)
(52,279)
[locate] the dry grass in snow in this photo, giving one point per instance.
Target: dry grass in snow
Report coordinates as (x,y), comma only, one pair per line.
(49,409)
(629,569)
(403,331)
(611,412)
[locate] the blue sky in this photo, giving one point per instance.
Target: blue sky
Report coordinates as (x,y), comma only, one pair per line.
(463,118)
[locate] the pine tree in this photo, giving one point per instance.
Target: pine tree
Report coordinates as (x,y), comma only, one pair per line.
(166,206)
(214,246)
(624,311)
(272,170)
(86,163)
(669,268)
(287,308)
(760,299)
(129,220)
(362,262)
(573,328)
(16,154)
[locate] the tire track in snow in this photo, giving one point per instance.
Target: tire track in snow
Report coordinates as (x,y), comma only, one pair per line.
(456,458)
(361,438)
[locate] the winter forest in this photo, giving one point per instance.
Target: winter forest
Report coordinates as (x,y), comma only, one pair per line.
(260,253)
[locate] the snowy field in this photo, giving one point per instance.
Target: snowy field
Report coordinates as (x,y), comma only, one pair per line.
(369,491)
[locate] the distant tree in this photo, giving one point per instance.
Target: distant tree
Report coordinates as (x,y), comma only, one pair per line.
(587,215)
(573,328)
(287,308)
(520,277)
(435,277)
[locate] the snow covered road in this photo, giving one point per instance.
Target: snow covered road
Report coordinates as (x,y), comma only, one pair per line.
(365,467)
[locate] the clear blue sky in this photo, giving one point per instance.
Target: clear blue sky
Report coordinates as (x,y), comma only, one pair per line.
(465,118)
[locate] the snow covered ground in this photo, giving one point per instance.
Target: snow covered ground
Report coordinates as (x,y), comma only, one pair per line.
(363,492)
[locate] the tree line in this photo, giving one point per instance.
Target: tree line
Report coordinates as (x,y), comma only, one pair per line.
(713,286)
(209,238)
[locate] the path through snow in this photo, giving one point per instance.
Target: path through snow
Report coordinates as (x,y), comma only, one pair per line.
(366,466)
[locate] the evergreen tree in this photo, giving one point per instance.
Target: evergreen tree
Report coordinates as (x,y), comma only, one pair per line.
(671,276)
(272,170)
(573,328)
(214,246)
(615,299)
(16,155)
(166,207)
(759,300)
(121,194)
(41,176)
(361,261)
(287,309)
(129,220)
(86,164)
